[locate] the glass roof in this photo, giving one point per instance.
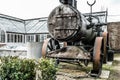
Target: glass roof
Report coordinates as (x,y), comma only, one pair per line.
(36,25)
(12,24)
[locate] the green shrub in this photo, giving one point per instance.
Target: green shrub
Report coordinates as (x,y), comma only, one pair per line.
(13,68)
(48,69)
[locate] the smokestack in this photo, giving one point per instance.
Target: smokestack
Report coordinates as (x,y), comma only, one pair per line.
(69,2)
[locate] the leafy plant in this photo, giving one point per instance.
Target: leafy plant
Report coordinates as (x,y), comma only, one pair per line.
(13,68)
(48,69)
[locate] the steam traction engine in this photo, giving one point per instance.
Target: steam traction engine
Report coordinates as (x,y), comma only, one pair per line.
(81,35)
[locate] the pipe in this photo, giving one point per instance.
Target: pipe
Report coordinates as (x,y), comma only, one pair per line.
(69,2)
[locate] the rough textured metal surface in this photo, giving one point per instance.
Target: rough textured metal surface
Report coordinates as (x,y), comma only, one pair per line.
(114,35)
(63,21)
(70,52)
(49,44)
(66,23)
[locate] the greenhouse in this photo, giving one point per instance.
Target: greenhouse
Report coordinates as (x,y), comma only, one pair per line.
(16,33)
(15,30)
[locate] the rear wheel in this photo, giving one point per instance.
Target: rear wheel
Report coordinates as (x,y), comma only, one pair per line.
(50,44)
(105,47)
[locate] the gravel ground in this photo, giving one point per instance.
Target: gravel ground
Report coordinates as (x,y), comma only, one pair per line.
(75,72)
(115,72)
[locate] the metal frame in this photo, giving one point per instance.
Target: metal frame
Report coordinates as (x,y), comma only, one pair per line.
(98,14)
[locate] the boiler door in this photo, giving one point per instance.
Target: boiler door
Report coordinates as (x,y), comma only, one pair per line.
(64,22)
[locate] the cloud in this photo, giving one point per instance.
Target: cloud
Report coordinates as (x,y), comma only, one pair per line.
(115,2)
(41,8)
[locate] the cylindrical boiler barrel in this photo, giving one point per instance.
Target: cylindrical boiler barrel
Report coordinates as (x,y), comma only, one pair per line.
(65,23)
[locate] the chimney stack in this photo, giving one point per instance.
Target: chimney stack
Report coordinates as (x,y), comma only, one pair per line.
(69,2)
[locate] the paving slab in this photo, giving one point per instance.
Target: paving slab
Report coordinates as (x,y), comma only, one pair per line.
(109,63)
(105,74)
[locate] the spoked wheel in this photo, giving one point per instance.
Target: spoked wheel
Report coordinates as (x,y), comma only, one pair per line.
(86,62)
(97,58)
(50,45)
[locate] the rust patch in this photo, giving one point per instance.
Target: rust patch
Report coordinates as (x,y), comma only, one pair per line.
(96,53)
(44,51)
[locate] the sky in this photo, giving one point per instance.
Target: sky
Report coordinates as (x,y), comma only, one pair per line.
(28,9)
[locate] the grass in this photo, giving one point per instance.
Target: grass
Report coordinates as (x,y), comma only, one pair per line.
(115,71)
(115,62)
(114,75)
(107,67)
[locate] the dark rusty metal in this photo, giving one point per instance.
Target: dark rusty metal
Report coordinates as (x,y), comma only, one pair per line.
(66,29)
(70,53)
(66,23)
(104,34)
(44,48)
(90,16)
(62,59)
(49,45)
(83,39)
(92,3)
(64,44)
(69,2)
(97,63)
(63,23)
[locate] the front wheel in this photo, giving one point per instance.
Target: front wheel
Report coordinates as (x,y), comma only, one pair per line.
(97,58)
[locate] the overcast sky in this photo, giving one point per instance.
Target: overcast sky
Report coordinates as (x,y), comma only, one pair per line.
(27,9)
